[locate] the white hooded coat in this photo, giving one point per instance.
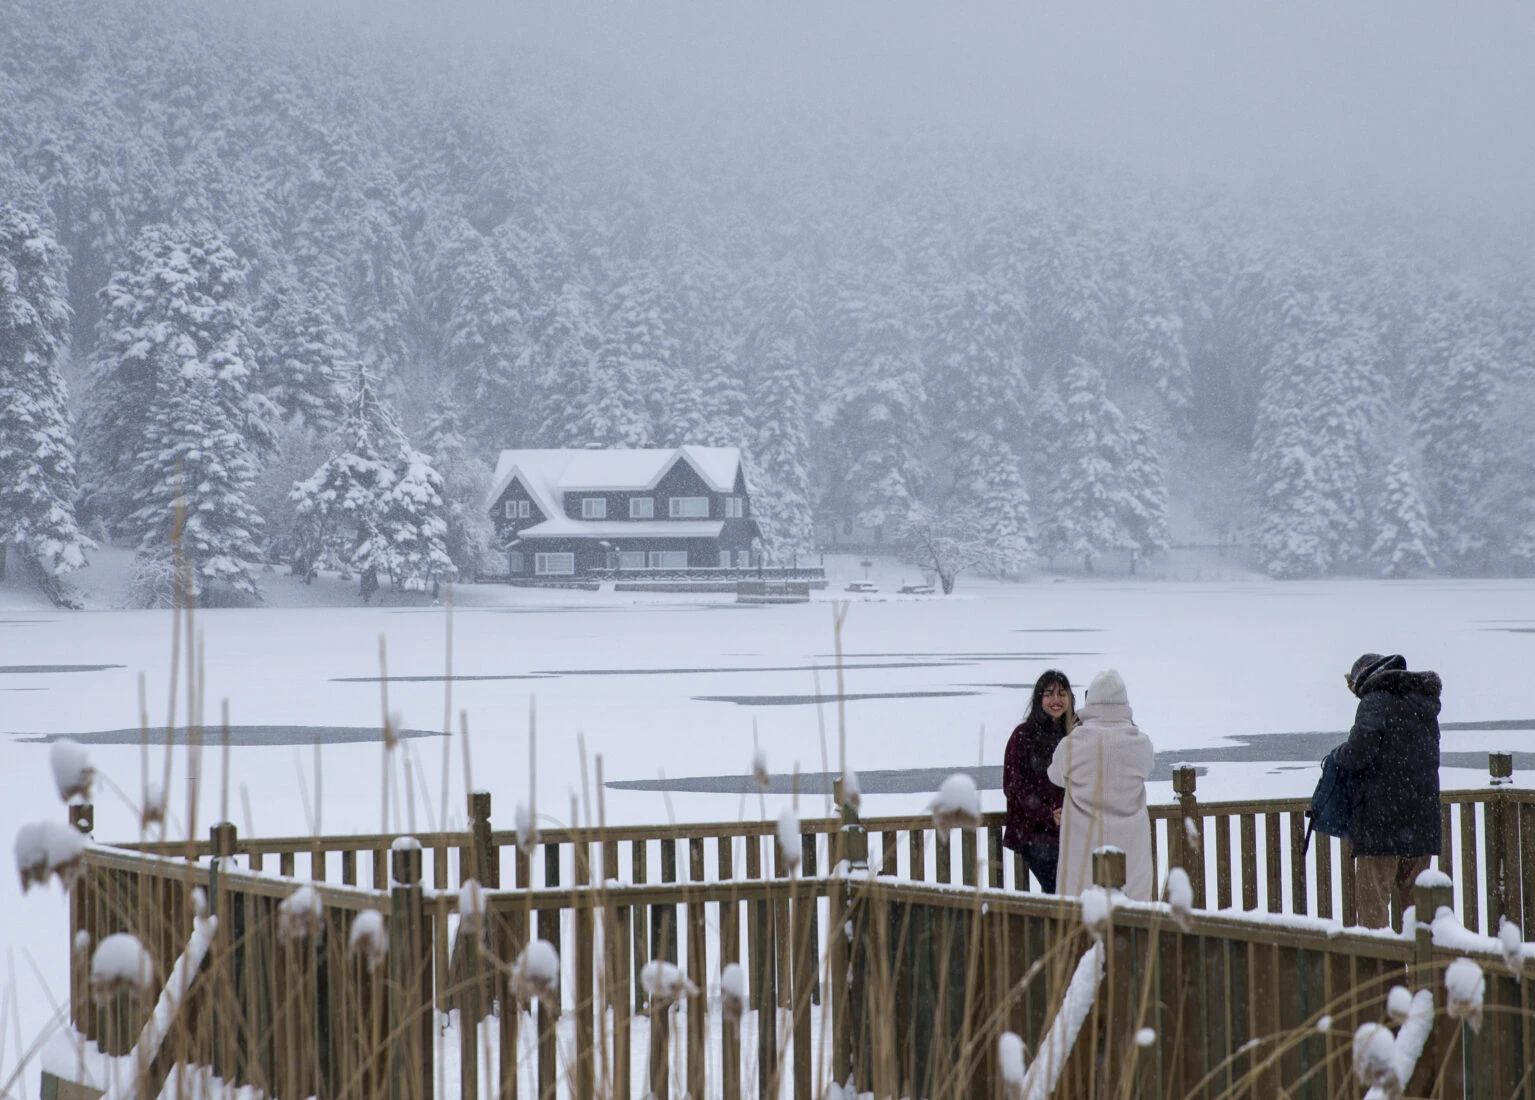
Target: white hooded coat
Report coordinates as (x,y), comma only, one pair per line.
(1103,764)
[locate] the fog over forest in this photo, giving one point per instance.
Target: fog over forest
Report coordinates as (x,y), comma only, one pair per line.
(1062,285)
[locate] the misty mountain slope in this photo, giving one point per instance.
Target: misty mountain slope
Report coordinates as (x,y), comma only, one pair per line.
(1022,346)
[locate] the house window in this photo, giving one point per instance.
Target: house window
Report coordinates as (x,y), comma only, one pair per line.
(735,507)
(743,559)
(724,559)
(524,509)
(631,559)
(668,559)
(689,507)
(642,508)
(554,564)
(517,509)
(594,508)
(514,563)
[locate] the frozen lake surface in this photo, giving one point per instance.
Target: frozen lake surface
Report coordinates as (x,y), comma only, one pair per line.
(1243,678)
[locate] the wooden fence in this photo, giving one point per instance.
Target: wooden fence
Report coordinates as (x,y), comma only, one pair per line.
(1247,855)
(936,960)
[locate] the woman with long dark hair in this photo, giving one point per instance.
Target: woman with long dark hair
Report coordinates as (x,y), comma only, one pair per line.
(1033,802)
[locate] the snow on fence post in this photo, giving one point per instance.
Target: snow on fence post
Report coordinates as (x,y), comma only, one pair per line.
(1433,891)
(410,1007)
(1186,850)
(1109,868)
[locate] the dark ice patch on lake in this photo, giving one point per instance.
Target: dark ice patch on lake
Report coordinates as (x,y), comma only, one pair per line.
(437,679)
(802,700)
(879,781)
(743,668)
(964,658)
(1267,748)
(22,670)
(544,674)
(1057,630)
(239,736)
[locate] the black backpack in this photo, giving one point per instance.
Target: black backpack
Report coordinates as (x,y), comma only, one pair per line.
(1331,802)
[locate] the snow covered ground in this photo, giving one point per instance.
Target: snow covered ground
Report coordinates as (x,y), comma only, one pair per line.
(671,686)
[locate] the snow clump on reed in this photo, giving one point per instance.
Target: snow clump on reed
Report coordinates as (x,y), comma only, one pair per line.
(300,916)
(48,848)
(536,973)
(120,964)
(665,983)
(957,805)
(72,770)
(789,841)
(369,939)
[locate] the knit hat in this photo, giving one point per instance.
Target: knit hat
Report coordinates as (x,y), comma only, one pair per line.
(1108,687)
(1368,665)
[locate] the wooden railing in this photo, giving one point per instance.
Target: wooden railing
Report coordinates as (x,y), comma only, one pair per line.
(913,996)
(1243,855)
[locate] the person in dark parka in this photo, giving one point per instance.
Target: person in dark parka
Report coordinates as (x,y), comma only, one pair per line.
(1392,754)
(1033,802)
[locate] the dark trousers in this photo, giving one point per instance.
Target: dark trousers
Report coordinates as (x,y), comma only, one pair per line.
(1042,860)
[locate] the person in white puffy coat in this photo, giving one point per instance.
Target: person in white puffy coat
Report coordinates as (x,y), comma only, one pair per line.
(1103,764)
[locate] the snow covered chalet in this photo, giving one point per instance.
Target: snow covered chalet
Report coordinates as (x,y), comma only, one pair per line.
(576,513)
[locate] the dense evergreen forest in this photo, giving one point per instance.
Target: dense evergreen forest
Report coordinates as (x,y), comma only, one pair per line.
(288,291)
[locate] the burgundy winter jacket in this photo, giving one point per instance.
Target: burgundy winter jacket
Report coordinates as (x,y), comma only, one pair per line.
(1031,798)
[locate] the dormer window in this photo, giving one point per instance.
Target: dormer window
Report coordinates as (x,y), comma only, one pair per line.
(688,507)
(594,508)
(642,507)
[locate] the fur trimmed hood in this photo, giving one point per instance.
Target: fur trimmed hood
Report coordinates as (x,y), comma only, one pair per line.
(1399,681)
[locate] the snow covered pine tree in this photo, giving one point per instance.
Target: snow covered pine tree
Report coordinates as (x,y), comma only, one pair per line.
(37,470)
(176,420)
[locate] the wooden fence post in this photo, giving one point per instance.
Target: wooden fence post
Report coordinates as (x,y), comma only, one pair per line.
(469,1000)
(852,850)
(660,1047)
(1190,825)
(223,839)
(1109,868)
(1502,845)
(803,953)
(1427,901)
(1109,872)
(486,858)
(410,1004)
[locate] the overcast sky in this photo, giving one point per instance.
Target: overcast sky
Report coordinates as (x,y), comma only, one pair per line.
(1429,100)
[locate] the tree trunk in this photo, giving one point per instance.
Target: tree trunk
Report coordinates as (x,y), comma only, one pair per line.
(3,549)
(947,580)
(1087,562)
(1132,561)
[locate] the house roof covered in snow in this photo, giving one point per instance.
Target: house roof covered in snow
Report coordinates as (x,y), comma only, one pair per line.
(548,474)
